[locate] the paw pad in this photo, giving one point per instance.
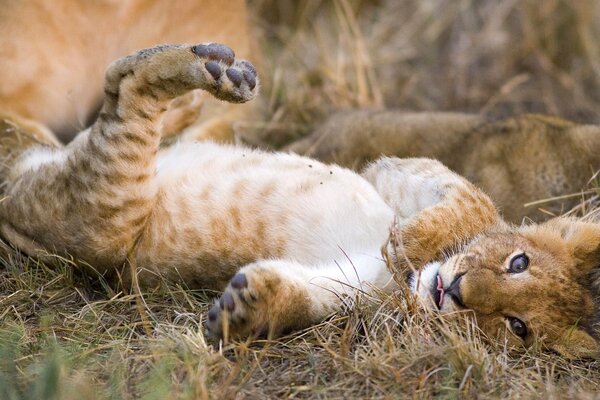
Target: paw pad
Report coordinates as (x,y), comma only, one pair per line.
(227,78)
(213,314)
(250,78)
(227,302)
(234,76)
(239,281)
(235,311)
(214,69)
(249,67)
(215,51)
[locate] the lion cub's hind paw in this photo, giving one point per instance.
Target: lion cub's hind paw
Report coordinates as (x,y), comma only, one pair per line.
(233,80)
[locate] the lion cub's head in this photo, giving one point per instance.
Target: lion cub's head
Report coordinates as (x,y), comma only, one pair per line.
(538,283)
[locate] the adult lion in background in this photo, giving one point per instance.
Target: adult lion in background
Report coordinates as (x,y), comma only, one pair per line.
(54,54)
(516,160)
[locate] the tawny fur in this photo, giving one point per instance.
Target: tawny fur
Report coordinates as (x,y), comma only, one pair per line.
(54,55)
(294,237)
(516,161)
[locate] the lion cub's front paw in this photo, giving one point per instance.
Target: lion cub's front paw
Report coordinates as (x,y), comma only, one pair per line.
(238,312)
(259,301)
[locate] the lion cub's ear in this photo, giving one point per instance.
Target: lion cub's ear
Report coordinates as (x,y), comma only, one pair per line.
(577,344)
(582,239)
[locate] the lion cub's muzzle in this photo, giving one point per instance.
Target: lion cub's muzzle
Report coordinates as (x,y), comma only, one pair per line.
(454,290)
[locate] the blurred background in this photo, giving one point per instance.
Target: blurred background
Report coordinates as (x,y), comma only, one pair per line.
(493,57)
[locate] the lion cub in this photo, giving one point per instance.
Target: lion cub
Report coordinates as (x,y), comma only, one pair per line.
(516,161)
(287,237)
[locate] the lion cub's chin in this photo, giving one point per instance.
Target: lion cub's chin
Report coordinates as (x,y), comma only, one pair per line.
(430,284)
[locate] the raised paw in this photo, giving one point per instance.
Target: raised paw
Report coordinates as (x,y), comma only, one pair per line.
(259,301)
(168,71)
(233,80)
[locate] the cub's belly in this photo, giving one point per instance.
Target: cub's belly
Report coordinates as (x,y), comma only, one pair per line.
(209,223)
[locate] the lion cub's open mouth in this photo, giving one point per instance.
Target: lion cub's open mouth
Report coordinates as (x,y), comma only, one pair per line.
(437,291)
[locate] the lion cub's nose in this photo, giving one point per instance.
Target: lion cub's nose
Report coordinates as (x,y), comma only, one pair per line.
(454,290)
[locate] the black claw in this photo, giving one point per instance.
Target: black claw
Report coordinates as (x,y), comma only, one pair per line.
(249,67)
(234,76)
(226,302)
(221,52)
(213,314)
(214,69)
(250,79)
(239,281)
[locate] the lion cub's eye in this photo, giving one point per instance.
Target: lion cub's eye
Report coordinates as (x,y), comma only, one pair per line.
(518,263)
(518,327)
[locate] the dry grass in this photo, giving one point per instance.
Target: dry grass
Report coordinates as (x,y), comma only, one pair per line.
(494,57)
(71,338)
(65,334)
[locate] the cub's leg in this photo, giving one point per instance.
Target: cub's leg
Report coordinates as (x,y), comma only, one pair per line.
(436,208)
(271,297)
(91,199)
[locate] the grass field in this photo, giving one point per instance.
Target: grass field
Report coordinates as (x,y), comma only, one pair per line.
(67,334)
